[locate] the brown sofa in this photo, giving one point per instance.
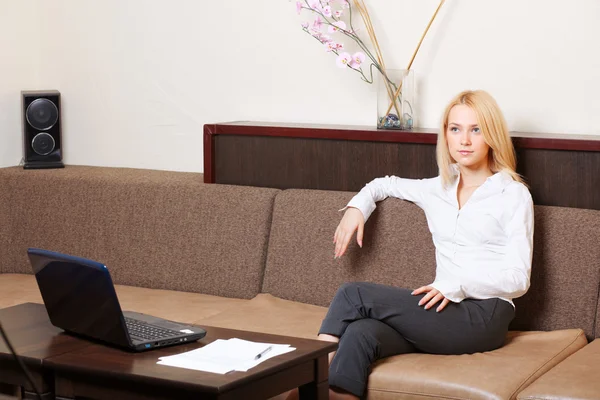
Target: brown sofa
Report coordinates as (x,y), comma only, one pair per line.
(262,259)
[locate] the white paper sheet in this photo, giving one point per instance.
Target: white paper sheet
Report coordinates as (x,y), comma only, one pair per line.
(223,356)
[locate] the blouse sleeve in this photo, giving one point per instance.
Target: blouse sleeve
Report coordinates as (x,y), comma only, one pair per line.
(413,190)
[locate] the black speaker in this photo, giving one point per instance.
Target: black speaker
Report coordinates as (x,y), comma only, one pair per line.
(42,142)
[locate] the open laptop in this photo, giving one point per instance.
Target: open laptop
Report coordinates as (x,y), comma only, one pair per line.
(80,298)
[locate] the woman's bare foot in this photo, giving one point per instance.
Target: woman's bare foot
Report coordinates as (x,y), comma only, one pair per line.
(329,338)
(341,395)
(293,395)
(333,395)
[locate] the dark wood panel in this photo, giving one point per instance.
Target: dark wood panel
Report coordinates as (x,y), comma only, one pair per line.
(8,390)
(34,339)
(90,387)
(102,372)
(315,163)
(562,170)
(116,388)
(562,178)
(549,141)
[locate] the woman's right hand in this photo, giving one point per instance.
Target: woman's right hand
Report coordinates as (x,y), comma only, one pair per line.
(352,221)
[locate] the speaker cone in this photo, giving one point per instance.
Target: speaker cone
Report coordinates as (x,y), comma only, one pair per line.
(43,144)
(42,114)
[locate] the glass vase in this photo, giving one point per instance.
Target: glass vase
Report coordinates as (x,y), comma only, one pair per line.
(395,99)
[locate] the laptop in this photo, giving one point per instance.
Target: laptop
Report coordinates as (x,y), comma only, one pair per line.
(80,298)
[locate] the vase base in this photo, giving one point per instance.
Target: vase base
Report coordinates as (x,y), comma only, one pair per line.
(391,121)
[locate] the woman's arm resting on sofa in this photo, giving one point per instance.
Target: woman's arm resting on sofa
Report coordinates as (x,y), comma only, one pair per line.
(413,190)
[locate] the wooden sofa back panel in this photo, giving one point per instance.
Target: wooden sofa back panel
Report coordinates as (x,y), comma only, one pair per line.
(154,229)
(398,250)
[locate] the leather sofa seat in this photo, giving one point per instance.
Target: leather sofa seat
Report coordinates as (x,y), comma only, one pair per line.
(576,378)
(169,304)
(498,374)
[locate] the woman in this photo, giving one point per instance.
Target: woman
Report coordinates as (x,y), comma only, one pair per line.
(480,215)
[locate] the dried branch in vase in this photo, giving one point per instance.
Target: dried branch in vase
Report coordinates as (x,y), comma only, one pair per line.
(335,16)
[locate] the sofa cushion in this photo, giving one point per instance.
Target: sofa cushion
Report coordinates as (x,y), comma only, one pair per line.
(565,277)
(398,250)
(176,306)
(597,328)
(498,374)
(268,314)
(155,229)
(17,289)
(397,247)
(577,377)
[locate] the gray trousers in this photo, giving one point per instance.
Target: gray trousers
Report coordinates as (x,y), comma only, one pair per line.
(375,321)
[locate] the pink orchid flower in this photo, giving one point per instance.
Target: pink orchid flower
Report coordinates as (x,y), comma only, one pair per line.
(314,4)
(326,39)
(337,26)
(298,7)
(343,60)
(327,11)
(338,13)
(318,22)
(317,34)
(357,59)
(331,46)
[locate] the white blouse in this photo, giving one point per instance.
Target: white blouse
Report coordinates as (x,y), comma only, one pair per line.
(484,250)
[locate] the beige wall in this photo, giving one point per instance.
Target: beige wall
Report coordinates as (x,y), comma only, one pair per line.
(20,44)
(139,78)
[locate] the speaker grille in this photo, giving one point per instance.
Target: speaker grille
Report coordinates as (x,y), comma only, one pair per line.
(42,114)
(43,144)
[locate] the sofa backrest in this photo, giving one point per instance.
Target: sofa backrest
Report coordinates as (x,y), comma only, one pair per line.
(565,276)
(154,229)
(398,250)
(597,331)
(397,247)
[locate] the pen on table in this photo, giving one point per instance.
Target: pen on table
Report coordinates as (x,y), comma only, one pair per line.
(262,353)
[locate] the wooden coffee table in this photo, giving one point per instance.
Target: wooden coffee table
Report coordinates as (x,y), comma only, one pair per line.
(35,339)
(101,372)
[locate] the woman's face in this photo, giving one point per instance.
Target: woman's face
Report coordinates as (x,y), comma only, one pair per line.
(465,140)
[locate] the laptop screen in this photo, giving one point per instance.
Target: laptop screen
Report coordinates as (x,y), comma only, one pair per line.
(79,296)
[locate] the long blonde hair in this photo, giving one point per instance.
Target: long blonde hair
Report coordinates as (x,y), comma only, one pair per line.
(492,124)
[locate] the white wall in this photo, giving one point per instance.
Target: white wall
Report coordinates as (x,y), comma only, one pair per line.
(19,61)
(140,78)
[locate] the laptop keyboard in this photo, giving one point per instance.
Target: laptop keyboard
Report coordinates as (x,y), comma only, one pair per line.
(145,331)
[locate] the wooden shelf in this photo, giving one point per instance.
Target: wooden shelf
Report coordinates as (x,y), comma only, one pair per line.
(561,169)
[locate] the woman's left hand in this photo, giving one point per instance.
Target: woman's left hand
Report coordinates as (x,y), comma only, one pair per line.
(432,297)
